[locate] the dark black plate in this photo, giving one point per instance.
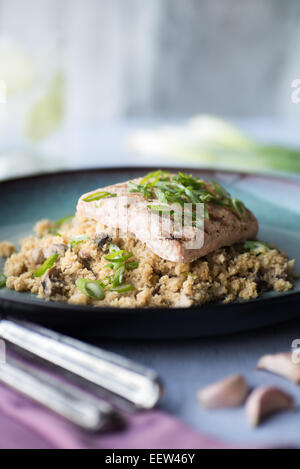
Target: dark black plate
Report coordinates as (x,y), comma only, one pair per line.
(26,200)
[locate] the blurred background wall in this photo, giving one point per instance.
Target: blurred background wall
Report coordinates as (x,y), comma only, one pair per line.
(180,57)
(76,62)
(143,57)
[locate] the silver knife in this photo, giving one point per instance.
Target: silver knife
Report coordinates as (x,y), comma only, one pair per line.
(121,377)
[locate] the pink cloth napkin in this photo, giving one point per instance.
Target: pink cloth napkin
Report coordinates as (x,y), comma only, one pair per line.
(25,424)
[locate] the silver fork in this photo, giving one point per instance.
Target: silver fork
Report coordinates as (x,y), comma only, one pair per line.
(119,377)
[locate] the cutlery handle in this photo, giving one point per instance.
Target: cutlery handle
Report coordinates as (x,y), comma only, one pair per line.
(69,402)
(137,385)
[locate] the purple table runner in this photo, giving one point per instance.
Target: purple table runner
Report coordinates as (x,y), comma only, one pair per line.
(25,424)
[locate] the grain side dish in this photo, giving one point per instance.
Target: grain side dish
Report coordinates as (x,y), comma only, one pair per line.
(90,259)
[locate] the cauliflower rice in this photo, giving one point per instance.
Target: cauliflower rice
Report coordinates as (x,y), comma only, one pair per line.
(223,275)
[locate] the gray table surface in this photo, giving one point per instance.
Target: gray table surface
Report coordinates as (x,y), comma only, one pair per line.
(187,364)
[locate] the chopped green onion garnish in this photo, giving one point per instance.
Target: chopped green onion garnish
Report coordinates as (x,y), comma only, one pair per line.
(119,276)
(77,240)
(58,223)
(161,208)
(238,206)
(113,247)
(109,266)
(46,266)
(52,230)
(181,188)
(63,220)
(162,196)
(131,265)
(122,288)
(154,175)
(257,247)
(118,258)
(105,281)
(2,280)
(91,288)
(121,255)
(98,195)
(145,190)
(188,180)
(206,212)
(220,189)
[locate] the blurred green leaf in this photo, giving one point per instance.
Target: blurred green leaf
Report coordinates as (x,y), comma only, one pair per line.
(46,115)
(207,141)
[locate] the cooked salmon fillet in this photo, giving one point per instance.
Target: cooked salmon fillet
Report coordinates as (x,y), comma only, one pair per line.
(129,212)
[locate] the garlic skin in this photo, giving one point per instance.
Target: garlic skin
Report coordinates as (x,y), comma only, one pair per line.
(281,364)
(229,392)
(266,400)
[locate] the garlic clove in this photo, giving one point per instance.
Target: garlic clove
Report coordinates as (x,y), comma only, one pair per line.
(229,392)
(281,364)
(266,400)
